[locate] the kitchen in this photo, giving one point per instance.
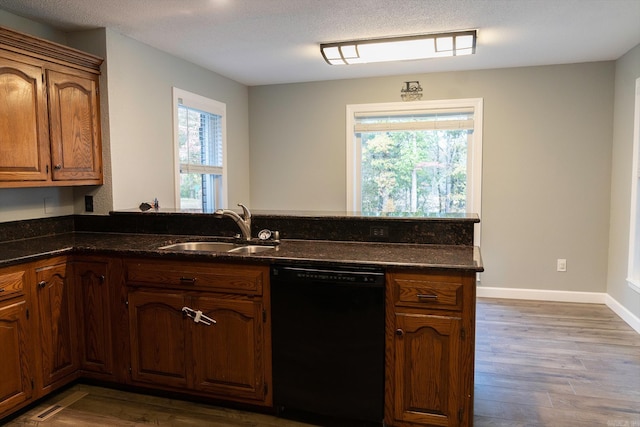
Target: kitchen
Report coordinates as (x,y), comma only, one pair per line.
(574,181)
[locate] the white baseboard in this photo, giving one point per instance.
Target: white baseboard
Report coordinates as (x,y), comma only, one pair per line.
(562,296)
(542,295)
(624,314)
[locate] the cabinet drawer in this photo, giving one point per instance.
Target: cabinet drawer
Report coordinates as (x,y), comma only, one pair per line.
(231,278)
(11,284)
(436,291)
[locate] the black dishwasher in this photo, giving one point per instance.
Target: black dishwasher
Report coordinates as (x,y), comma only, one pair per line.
(328,344)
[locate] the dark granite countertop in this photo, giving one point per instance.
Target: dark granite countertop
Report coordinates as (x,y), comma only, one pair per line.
(292,251)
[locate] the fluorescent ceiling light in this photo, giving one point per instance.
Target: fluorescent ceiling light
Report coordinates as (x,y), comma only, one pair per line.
(400,48)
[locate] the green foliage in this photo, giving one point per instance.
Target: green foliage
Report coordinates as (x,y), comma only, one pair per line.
(418,172)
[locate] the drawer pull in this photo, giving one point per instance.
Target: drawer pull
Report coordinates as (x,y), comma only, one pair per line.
(1,289)
(188,280)
(42,284)
(399,332)
(427,297)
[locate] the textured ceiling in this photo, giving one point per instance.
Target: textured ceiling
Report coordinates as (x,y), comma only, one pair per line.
(260,42)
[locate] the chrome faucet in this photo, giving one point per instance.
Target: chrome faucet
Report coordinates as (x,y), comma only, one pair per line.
(244,221)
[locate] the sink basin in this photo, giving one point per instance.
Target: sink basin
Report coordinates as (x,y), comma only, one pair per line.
(217,247)
(201,246)
(250,249)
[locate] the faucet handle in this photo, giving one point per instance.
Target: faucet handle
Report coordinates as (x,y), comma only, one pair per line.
(245,211)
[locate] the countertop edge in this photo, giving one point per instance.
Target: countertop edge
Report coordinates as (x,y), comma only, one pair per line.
(299,253)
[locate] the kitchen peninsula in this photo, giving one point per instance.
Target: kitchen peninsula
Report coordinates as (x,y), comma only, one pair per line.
(83,295)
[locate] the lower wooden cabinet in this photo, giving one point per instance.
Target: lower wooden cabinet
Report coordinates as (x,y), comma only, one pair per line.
(58,350)
(430,348)
(158,338)
(94,290)
(229,359)
(16,384)
(38,337)
(124,321)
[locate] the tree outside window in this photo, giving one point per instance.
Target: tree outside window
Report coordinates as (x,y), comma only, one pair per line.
(417,172)
(200,146)
(414,158)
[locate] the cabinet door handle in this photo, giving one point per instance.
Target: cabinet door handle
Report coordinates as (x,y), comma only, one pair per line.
(101,278)
(42,284)
(58,167)
(427,297)
(188,280)
(399,332)
(197,316)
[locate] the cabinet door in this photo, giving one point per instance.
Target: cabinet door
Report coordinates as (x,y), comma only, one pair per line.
(427,384)
(58,335)
(158,334)
(15,386)
(76,152)
(229,356)
(94,306)
(24,137)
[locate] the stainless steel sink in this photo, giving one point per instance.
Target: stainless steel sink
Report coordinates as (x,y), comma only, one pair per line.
(217,247)
(201,246)
(250,249)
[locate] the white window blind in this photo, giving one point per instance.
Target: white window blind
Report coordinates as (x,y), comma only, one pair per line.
(443,119)
(199,147)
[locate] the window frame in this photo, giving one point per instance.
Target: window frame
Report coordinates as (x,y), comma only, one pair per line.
(474,152)
(211,106)
(633,267)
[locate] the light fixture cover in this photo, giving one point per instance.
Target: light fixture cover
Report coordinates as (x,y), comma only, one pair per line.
(400,48)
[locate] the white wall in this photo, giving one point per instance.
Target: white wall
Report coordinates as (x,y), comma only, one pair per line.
(141,126)
(546,161)
(627,71)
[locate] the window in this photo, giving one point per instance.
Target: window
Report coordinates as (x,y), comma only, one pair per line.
(200,152)
(416,158)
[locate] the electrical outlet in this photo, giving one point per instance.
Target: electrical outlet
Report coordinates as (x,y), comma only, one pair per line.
(88,203)
(380,232)
(562,264)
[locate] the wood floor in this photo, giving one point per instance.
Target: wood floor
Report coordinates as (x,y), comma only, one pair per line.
(555,364)
(537,364)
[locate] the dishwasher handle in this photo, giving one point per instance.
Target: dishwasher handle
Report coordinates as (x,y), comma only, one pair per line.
(334,276)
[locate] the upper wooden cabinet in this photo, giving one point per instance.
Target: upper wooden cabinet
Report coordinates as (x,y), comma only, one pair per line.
(50,115)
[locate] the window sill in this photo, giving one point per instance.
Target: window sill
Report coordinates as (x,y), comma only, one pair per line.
(634,285)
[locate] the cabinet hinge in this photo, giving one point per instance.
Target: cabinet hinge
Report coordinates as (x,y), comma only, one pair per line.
(264,315)
(463,334)
(266,388)
(27,313)
(460,414)
(32,386)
